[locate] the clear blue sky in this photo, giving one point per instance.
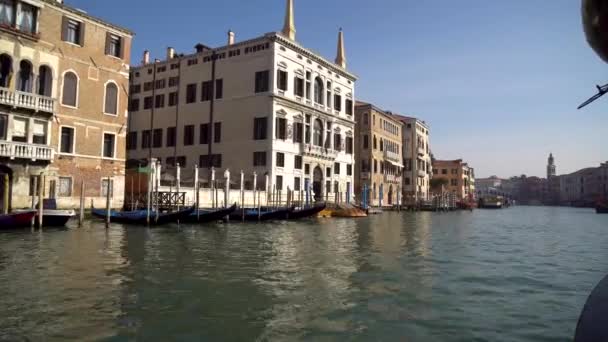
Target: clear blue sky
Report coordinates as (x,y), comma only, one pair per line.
(498,81)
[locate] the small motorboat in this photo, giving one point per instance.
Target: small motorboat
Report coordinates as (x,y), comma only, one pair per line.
(140,217)
(297,214)
(17,220)
(261,215)
(51,216)
(206,216)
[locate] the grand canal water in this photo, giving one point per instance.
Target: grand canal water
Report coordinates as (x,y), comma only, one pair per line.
(521,274)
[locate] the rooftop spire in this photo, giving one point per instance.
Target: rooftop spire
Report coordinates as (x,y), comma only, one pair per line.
(341,55)
(289,27)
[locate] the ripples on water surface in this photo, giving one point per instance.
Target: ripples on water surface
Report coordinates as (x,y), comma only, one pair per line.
(521,274)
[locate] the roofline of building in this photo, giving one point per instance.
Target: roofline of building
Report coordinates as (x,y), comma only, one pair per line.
(81,13)
(274,37)
(373,107)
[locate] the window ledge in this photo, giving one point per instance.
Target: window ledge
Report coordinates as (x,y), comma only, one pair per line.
(16,31)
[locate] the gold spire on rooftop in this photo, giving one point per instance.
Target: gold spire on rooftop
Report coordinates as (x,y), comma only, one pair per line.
(341,55)
(289,27)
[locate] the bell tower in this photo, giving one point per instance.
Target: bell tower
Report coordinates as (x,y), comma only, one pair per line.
(551,167)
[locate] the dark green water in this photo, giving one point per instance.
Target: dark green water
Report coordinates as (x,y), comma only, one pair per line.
(521,274)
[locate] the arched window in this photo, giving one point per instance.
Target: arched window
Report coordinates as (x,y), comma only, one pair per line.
(25,77)
(6,70)
(317,137)
(111,100)
(381,144)
(318,90)
(375,143)
(70,89)
(45,81)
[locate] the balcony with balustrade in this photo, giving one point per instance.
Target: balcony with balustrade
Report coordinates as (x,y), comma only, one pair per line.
(312,150)
(392,156)
(395,179)
(18,150)
(25,100)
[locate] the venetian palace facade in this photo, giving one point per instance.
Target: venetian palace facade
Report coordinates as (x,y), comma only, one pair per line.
(459,175)
(417,161)
(379,155)
(63,102)
(265,105)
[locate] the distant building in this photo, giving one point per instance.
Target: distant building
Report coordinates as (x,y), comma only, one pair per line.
(378,152)
(584,187)
(491,185)
(266,105)
(417,159)
(63,102)
(551,171)
(460,177)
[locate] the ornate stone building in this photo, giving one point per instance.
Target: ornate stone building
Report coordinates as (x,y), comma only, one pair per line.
(266,105)
(63,91)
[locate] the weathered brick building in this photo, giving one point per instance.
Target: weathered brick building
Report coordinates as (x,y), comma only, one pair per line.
(63,102)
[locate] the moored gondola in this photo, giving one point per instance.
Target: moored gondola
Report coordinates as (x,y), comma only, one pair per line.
(140,217)
(16,220)
(206,216)
(252,215)
(305,212)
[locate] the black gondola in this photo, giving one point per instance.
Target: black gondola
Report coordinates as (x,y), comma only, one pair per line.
(206,216)
(139,217)
(601,209)
(298,214)
(263,215)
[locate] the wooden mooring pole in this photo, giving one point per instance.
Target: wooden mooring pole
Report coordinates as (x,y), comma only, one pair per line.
(40,198)
(81,213)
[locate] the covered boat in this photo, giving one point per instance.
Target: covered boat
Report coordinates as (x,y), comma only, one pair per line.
(139,217)
(17,220)
(206,216)
(301,213)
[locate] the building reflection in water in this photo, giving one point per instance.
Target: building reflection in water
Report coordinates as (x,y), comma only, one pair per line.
(309,276)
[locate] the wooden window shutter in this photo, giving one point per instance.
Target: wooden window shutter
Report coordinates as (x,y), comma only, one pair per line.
(64,28)
(108,42)
(82,29)
(121,48)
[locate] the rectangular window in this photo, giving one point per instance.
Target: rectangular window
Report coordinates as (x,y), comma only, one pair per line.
(148,102)
(181,160)
(188,135)
(109,142)
(131,140)
(279,183)
(262,81)
(328,187)
(173,99)
(336,187)
(157,138)
(73,31)
(173,81)
(204,134)
(349,170)
(33,190)
(337,168)
(219,88)
(191,93)
(260,127)
(259,158)
(282,80)
(67,140)
(297,162)
(65,187)
(171,136)
(306,169)
(216,160)
(206,91)
(146,139)
(148,86)
(365,142)
(337,102)
(217,132)
(454,171)
(281,129)
(454,182)
(20,129)
(444,171)
(298,132)
(337,142)
(349,106)
(134,105)
(328,172)
(160,84)
(104,187)
(39,132)
(135,89)
(406,181)
(296,184)
(170,161)
(159,102)
(298,86)
(349,145)
(114,45)
(280,159)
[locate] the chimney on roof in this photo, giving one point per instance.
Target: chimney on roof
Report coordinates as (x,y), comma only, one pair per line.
(170,53)
(230,37)
(146,58)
